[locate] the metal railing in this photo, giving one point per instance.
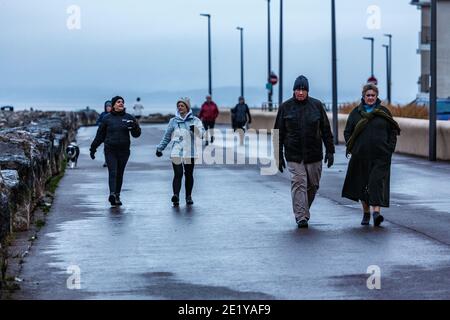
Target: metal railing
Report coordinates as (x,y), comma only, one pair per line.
(265,106)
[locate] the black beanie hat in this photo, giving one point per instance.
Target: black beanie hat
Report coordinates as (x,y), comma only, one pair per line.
(301,83)
(114,100)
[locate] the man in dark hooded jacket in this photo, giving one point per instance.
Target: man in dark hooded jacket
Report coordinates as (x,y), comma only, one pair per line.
(240,115)
(303,126)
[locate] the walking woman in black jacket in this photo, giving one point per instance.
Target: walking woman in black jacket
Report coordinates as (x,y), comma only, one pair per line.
(114,132)
(371,136)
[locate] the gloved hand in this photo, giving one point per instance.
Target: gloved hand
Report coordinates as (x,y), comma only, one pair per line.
(159,154)
(131,124)
(329,158)
(92,154)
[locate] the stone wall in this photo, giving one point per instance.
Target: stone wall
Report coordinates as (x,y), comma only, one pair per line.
(32,150)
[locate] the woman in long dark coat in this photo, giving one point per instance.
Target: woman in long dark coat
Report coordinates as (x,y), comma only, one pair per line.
(371,137)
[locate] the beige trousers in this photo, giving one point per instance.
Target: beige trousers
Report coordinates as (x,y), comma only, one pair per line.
(305,180)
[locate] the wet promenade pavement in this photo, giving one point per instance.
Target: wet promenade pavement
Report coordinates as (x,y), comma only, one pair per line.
(239,240)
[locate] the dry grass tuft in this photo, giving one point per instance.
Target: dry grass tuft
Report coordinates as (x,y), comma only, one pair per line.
(411,110)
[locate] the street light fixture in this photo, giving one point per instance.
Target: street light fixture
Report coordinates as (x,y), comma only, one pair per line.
(242,59)
(372,53)
(387,69)
(334,73)
(269,58)
(209,53)
(433,88)
(280,88)
(389,90)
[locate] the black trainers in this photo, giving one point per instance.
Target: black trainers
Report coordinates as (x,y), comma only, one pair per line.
(212,139)
(206,143)
(366,219)
(302,224)
(175,200)
(112,199)
(189,201)
(118,202)
(377,219)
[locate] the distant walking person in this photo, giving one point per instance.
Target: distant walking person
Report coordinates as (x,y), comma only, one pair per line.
(371,137)
(138,107)
(303,125)
(240,118)
(182,131)
(114,132)
(240,115)
(208,114)
(107,109)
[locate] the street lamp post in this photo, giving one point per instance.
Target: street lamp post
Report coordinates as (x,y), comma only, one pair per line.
(269,58)
(334,73)
(389,87)
(280,88)
(372,53)
(242,59)
(433,88)
(387,69)
(209,53)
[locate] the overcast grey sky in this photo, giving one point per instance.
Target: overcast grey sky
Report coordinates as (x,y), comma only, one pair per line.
(147,46)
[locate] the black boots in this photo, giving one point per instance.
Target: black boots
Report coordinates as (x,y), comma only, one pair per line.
(366,219)
(189,201)
(118,202)
(175,200)
(114,199)
(377,219)
(302,224)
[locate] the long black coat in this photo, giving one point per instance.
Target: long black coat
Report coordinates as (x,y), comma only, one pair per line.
(369,169)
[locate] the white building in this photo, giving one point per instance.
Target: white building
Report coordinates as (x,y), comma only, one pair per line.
(443,47)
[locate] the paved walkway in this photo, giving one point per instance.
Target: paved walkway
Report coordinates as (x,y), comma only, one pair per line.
(239,240)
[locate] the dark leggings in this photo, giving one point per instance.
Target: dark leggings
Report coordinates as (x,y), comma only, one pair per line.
(178,170)
(116,161)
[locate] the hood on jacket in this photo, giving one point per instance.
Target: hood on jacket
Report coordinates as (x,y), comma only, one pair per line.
(187,116)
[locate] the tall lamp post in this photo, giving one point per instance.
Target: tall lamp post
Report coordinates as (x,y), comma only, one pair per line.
(387,69)
(209,53)
(269,58)
(433,88)
(372,54)
(242,59)
(280,88)
(334,73)
(389,87)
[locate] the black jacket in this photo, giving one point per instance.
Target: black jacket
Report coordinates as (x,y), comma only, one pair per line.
(303,125)
(378,139)
(114,132)
(240,114)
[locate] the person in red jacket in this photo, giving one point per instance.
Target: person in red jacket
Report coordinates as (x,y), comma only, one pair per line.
(208,114)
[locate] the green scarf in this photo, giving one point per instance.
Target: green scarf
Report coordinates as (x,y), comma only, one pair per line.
(366,118)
